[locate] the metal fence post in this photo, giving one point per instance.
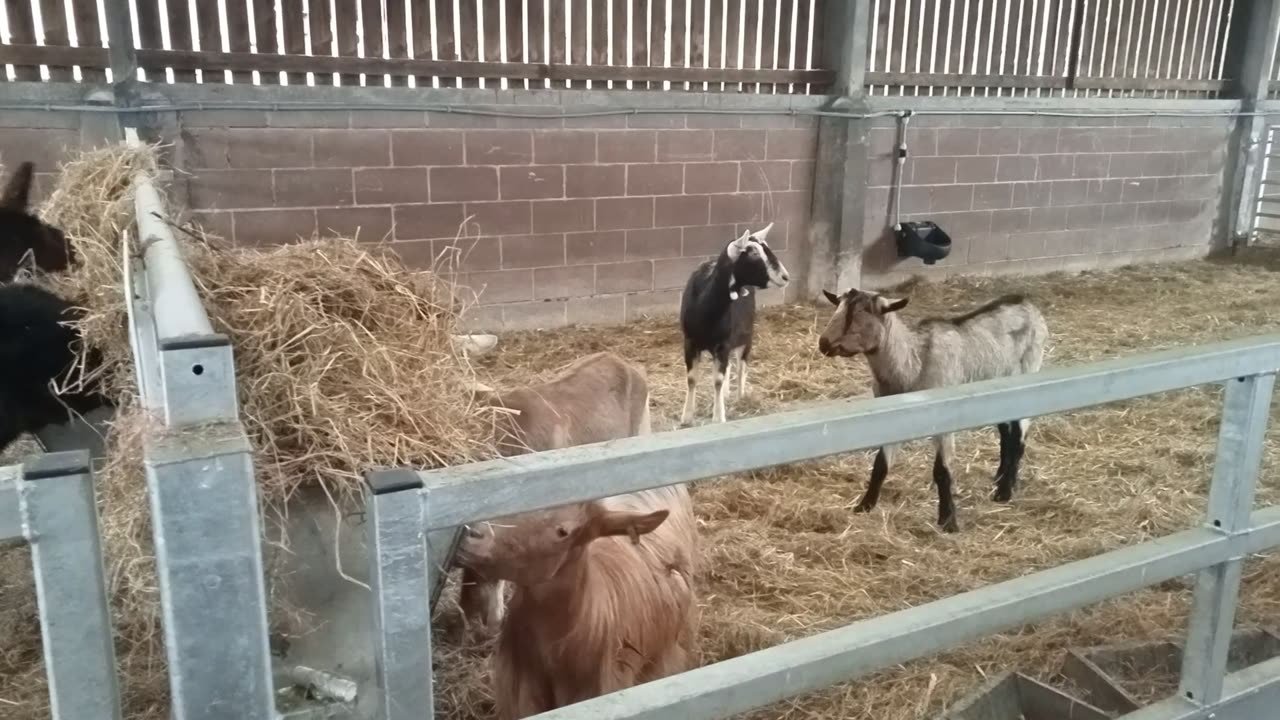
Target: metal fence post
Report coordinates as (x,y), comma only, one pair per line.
(204,509)
(1245,409)
(60,519)
(399,568)
(1253,39)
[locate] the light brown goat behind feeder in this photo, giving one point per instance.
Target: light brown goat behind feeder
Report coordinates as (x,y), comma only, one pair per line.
(599,397)
(1002,338)
(603,597)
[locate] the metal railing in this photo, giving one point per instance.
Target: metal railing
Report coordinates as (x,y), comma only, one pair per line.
(48,503)
(407,506)
(203,498)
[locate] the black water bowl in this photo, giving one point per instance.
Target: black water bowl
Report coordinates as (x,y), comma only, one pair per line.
(923,240)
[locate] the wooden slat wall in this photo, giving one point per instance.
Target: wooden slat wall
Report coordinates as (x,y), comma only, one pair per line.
(1178,45)
(737,35)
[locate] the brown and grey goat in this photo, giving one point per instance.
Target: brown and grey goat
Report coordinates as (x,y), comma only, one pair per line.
(599,397)
(718,312)
(603,600)
(1002,338)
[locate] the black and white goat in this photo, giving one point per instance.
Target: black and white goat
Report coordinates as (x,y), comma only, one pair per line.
(1004,337)
(26,241)
(718,312)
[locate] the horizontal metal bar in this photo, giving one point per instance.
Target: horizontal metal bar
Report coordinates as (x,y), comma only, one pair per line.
(490,489)
(1249,694)
(10,512)
(766,676)
(1270,216)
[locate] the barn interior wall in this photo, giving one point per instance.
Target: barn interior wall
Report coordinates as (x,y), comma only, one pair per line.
(1034,194)
(601,219)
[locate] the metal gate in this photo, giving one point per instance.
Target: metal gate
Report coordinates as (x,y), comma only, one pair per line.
(1266,216)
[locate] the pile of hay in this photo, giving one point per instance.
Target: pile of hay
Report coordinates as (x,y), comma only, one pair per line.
(345,361)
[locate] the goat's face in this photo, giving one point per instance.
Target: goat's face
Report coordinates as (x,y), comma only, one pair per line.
(532,548)
(857,325)
(26,241)
(754,264)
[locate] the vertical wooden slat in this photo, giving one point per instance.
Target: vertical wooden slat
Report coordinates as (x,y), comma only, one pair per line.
(88,34)
(22,31)
(53,17)
(489,35)
(180,35)
(421,19)
(397,42)
(210,36)
(264,31)
(468,38)
(620,34)
(699,37)
(347,22)
(657,37)
(237,34)
(515,35)
(805,46)
(750,23)
(578,21)
(447,44)
(318,16)
(371,23)
(291,17)
(535,52)
(678,41)
(599,31)
(149,35)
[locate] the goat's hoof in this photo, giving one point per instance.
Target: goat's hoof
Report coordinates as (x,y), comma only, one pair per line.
(864,507)
(950,525)
(1002,495)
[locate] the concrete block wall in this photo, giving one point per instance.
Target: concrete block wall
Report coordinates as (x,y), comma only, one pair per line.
(1037,194)
(562,221)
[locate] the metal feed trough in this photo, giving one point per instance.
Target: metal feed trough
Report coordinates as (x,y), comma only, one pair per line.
(406,506)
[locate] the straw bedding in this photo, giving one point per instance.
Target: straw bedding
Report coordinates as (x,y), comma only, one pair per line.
(784,556)
(345,361)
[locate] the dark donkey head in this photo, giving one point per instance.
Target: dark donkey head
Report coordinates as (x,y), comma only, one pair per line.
(26,241)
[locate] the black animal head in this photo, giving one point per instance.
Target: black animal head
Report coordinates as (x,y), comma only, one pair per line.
(753,264)
(25,240)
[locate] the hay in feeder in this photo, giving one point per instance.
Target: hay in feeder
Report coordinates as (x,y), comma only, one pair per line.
(345,361)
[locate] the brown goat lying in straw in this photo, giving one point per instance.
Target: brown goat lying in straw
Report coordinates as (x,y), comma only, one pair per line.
(599,397)
(604,597)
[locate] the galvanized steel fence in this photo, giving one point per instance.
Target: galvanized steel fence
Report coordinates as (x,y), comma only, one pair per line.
(407,506)
(48,503)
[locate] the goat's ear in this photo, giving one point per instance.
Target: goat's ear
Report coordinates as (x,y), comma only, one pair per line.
(606,523)
(831,297)
(18,191)
(888,305)
(762,235)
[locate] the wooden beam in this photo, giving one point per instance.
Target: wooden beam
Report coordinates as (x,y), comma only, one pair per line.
(214,61)
(962,80)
